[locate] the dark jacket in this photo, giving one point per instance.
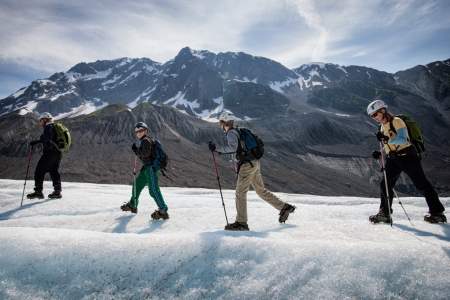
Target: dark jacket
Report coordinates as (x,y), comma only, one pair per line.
(145,151)
(48,139)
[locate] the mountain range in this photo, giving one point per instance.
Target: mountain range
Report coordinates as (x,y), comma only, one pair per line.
(312,118)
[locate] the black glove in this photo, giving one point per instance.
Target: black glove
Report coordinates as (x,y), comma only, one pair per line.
(211,146)
(381,137)
(33,143)
(134,147)
(376,154)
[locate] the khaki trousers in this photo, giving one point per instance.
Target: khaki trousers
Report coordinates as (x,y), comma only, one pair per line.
(251,175)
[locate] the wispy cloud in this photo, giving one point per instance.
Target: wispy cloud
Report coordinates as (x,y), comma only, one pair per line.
(50,35)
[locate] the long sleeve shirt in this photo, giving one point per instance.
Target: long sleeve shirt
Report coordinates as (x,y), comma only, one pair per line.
(232,144)
(48,139)
(399,140)
(145,151)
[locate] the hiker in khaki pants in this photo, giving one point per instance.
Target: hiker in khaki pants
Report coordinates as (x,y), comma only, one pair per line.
(247,153)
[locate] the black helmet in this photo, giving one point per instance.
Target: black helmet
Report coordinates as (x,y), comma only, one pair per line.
(141,125)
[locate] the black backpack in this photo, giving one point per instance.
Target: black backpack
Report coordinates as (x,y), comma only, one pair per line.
(160,155)
(250,145)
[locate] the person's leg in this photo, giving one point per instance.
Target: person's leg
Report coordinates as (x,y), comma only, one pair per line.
(54,173)
(154,189)
(393,172)
(245,178)
(39,173)
(413,168)
(140,183)
(261,191)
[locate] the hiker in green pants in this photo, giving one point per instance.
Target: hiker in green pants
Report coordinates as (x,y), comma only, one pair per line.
(150,153)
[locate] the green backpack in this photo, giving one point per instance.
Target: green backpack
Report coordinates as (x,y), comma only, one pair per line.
(63,138)
(414,132)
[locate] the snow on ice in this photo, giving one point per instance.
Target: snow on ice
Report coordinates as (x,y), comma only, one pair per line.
(83,246)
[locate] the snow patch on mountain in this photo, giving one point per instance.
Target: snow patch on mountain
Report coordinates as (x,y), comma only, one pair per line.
(212,115)
(144,96)
(111,81)
(45,81)
(343,69)
(179,101)
(280,85)
(57,96)
(301,82)
(84,109)
(243,79)
(74,76)
(149,69)
(27,108)
(131,76)
(124,62)
(199,53)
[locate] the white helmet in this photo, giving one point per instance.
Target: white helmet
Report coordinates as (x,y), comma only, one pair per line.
(226,117)
(375,106)
(141,125)
(45,115)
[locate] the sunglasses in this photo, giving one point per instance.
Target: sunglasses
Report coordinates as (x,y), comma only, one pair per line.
(140,130)
(375,114)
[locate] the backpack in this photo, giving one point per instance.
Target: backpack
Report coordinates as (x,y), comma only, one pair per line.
(414,133)
(250,145)
(63,138)
(159,155)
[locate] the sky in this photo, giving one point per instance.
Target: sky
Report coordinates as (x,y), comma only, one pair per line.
(39,38)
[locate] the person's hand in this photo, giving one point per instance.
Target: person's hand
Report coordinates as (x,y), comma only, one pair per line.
(376,154)
(381,137)
(211,146)
(134,147)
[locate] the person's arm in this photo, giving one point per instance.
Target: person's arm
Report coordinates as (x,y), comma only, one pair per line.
(48,138)
(232,143)
(145,149)
(401,137)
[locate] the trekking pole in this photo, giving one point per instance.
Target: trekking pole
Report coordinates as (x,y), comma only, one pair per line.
(220,187)
(134,178)
(30,153)
(385,181)
(404,210)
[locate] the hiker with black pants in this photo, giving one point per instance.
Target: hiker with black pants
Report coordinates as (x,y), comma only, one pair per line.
(49,161)
(148,176)
(402,156)
(249,174)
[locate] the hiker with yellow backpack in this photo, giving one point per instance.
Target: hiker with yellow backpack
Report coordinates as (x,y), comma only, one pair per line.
(401,145)
(55,140)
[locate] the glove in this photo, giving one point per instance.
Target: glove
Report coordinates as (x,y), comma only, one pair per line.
(381,137)
(134,147)
(33,143)
(376,154)
(211,146)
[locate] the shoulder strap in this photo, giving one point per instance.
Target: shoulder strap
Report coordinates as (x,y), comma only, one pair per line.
(391,125)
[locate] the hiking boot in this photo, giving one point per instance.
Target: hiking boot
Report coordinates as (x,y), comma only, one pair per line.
(128,207)
(35,195)
(55,195)
(380,217)
(160,214)
(237,226)
(285,211)
(435,218)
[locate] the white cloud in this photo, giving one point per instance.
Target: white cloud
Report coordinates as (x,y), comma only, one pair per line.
(53,35)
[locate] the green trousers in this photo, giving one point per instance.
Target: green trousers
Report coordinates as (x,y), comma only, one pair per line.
(148,177)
